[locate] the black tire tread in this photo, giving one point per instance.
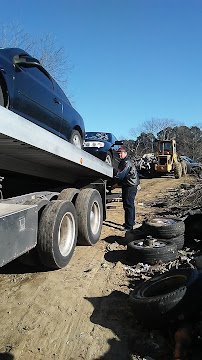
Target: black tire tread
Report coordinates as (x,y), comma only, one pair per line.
(82,208)
(166,231)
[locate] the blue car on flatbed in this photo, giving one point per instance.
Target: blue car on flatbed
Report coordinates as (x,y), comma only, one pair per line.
(103,146)
(27,89)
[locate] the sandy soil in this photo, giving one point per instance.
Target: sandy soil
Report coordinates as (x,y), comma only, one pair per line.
(81,311)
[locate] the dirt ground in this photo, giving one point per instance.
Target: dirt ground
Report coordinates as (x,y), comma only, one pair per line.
(81,311)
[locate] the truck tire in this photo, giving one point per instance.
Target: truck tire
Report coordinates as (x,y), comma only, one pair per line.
(90,215)
(108,159)
(57,234)
(68,194)
(184,168)
(158,297)
(76,139)
(164,250)
(177,170)
(163,228)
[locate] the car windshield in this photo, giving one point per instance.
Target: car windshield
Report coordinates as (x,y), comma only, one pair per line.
(97,136)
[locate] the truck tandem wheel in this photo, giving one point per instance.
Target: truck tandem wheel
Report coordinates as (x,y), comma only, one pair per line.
(90,215)
(57,234)
(68,194)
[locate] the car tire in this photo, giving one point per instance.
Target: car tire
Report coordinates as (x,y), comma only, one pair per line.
(156,299)
(164,251)
(1,97)
(163,228)
(90,215)
(76,139)
(57,234)
(108,159)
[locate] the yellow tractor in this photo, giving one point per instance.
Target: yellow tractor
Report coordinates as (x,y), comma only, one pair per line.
(168,159)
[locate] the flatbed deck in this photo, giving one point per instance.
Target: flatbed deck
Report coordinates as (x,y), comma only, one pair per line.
(29,149)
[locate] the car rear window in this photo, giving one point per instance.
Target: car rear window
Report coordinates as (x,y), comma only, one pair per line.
(97,136)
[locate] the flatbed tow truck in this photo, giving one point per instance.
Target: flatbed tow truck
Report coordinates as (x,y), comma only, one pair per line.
(52,196)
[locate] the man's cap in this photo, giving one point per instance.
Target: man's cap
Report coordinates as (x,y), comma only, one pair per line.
(121,150)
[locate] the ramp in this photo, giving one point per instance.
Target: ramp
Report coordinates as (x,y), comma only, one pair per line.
(29,149)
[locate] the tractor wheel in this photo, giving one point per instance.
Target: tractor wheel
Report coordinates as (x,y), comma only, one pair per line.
(184,168)
(177,170)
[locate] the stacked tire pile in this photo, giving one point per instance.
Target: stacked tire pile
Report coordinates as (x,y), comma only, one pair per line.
(163,237)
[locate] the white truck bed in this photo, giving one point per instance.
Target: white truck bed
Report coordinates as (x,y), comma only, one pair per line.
(27,148)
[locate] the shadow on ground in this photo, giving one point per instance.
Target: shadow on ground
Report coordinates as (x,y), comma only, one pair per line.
(114,312)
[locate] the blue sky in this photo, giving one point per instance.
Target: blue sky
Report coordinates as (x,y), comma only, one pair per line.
(134,60)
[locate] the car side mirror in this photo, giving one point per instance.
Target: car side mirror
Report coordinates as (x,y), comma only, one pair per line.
(23,59)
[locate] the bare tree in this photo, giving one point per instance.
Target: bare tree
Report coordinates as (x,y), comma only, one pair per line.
(45,48)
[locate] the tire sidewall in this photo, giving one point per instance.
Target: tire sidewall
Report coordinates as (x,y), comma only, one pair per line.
(95,197)
(48,247)
(59,258)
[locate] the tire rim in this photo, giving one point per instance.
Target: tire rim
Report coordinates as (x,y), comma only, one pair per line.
(108,160)
(95,217)
(76,141)
(156,244)
(163,221)
(66,234)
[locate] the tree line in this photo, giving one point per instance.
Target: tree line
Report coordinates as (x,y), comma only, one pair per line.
(188,140)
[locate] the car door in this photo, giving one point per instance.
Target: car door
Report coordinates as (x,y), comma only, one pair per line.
(35,99)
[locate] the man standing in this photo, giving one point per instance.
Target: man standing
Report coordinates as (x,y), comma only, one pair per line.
(128,177)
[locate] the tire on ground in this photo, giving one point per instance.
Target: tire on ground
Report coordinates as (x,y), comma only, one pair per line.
(184,168)
(57,234)
(179,241)
(90,216)
(163,228)
(138,253)
(68,194)
(177,170)
(157,299)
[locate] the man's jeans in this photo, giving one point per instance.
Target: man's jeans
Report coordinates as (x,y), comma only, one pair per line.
(128,196)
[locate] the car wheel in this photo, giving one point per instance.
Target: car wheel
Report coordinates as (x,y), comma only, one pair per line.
(1,97)
(160,250)
(108,159)
(76,139)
